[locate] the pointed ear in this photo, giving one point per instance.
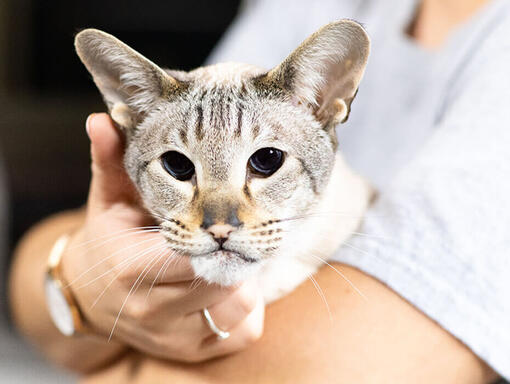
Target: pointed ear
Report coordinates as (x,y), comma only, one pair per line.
(131,84)
(324,72)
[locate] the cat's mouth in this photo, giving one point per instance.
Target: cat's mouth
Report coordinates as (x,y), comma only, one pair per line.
(225,267)
(225,254)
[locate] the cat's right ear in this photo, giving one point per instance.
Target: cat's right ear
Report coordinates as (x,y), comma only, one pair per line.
(324,72)
(131,84)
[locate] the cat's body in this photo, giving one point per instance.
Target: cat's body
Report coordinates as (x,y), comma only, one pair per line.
(237,163)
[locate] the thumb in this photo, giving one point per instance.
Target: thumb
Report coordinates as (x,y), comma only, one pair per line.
(110,183)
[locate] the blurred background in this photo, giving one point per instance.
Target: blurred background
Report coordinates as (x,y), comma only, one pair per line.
(46,95)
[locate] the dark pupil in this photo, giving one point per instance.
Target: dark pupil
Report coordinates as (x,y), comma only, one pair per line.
(266,161)
(178,165)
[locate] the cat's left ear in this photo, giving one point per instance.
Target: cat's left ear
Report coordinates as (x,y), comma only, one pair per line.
(324,72)
(130,83)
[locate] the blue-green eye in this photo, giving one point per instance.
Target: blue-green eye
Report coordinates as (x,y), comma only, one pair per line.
(178,165)
(266,161)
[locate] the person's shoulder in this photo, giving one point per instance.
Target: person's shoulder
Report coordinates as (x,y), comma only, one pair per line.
(492,45)
(494,38)
(480,85)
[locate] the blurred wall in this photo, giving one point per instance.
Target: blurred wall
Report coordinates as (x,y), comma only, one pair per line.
(46,93)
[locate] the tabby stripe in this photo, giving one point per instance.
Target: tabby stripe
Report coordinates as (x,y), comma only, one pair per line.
(184,137)
(141,169)
(255,130)
(221,107)
(199,130)
(310,176)
(237,132)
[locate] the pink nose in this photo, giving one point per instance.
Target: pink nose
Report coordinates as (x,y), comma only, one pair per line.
(220,231)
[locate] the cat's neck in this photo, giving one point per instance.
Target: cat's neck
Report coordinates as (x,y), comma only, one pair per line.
(327,226)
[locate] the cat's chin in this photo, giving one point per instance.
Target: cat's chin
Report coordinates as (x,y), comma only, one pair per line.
(224,267)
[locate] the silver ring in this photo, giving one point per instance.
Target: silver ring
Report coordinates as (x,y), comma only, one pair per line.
(222,335)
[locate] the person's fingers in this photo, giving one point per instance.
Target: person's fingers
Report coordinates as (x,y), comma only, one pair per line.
(161,266)
(189,343)
(188,297)
(106,140)
(110,182)
(244,334)
(230,312)
(176,268)
(226,314)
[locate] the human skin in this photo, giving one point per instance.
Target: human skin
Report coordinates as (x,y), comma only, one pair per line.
(379,340)
(383,339)
(436,18)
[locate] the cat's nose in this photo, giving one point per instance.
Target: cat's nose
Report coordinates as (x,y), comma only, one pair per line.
(220,232)
(213,216)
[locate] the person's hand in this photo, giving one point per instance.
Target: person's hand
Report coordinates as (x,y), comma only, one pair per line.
(131,286)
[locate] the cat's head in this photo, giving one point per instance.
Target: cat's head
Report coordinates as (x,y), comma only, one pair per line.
(228,157)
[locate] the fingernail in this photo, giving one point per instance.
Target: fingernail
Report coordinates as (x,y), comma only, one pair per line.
(87,124)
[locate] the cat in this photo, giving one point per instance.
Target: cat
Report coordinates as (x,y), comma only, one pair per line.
(238,164)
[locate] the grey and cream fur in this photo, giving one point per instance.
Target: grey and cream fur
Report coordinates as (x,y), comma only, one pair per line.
(280,226)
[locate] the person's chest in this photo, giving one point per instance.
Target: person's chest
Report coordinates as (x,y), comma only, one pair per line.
(393,113)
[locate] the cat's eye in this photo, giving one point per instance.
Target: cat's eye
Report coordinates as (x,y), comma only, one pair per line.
(178,165)
(266,161)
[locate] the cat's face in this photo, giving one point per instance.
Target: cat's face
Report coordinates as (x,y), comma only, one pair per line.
(228,157)
(223,152)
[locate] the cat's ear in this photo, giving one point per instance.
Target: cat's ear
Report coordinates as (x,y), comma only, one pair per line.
(324,72)
(131,84)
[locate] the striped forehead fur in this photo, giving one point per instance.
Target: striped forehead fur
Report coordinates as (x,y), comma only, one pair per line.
(215,121)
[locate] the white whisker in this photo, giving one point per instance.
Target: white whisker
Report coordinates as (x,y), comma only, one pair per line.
(195,284)
(164,266)
(322,296)
(370,235)
(108,258)
(117,238)
(115,278)
(120,232)
(126,299)
(173,260)
(143,252)
(342,275)
(355,248)
(154,261)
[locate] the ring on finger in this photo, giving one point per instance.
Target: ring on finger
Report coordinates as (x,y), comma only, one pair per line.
(222,335)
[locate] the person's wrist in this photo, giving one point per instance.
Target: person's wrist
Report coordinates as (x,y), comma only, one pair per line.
(70,267)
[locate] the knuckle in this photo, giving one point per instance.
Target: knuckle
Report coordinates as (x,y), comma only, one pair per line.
(127,276)
(190,355)
(252,333)
(180,347)
(137,311)
(161,344)
(246,300)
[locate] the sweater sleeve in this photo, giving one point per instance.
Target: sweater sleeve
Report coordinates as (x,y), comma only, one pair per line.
(439,236)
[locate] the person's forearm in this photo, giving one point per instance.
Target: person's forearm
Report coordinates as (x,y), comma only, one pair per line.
(380,340)
(83,353)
